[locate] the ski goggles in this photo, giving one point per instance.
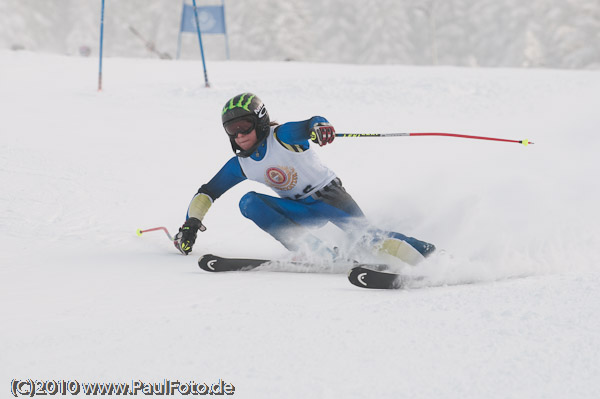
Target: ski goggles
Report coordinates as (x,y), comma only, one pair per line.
(239,126)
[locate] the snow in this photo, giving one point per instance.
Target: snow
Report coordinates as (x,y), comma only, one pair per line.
(511,309)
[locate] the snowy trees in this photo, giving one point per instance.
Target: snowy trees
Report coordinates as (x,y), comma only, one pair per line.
(514,33)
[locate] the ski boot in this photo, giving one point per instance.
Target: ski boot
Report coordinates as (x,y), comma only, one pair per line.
(407,249)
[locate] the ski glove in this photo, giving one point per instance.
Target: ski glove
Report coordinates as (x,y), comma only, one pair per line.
(322,133)
(185,239)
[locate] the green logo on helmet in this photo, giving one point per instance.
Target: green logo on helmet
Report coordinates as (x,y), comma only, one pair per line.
(240,103)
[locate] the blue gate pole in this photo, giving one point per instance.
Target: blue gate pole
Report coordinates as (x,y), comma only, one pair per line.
(200,41)
(180,30)
(225,29)
(101,44)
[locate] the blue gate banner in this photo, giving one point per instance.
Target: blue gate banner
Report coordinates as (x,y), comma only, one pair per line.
(211,18)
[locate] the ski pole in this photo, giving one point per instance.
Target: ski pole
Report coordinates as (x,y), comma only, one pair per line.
(139,232)
(524,142)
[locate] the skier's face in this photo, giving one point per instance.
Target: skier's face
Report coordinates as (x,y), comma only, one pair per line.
(246,141)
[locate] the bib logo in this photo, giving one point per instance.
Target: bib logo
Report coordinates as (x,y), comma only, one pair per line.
(281,178)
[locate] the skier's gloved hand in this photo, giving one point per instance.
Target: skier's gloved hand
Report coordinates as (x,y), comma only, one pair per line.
(185,239)
(322,133)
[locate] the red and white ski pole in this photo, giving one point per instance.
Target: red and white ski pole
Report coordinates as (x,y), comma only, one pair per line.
(464,136)
(140,231)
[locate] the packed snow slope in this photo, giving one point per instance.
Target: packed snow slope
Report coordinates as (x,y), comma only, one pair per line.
(509,309)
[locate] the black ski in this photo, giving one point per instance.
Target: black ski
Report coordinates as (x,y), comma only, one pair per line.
(213,263)
(375,276)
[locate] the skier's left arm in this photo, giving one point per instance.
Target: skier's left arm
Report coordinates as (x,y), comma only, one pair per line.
(316,129)
(229,175)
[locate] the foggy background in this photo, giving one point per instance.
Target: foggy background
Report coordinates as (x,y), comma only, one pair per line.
(488,33)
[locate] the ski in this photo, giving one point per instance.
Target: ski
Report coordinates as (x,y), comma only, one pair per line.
(213,263)
(375,276)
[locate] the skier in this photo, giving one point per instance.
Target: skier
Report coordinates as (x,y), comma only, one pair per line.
(310,194)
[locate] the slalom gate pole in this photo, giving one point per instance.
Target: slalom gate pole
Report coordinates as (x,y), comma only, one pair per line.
(200,41)
(101,44)
(139,232)
(180,30)
(464,136)
(225,26)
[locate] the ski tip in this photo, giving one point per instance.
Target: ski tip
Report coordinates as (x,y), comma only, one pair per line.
(139,232)
(357,277)
(206,262)
(374,278)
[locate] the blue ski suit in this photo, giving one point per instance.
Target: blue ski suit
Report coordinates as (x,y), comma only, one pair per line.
(310,195)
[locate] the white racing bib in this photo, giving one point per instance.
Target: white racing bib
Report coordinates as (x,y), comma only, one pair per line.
(290,174)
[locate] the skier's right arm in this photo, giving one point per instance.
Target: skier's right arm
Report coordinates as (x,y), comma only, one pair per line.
(229,175)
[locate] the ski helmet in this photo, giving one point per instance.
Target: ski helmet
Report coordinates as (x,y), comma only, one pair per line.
(246,106)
